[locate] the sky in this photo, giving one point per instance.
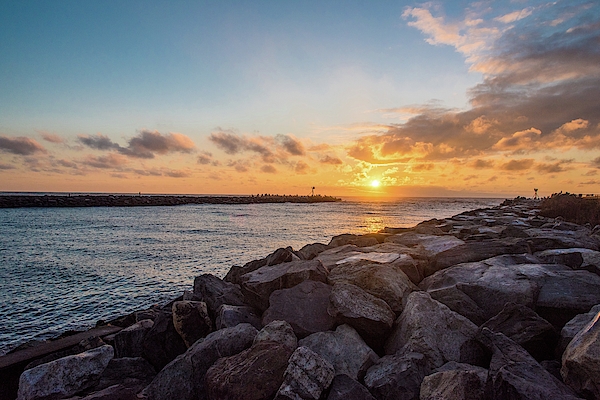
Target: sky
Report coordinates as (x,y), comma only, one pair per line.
(379,99)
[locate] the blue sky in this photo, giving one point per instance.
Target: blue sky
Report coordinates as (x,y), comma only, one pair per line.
(368,84)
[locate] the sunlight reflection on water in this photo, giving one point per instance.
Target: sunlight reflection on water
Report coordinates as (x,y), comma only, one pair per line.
(66,268)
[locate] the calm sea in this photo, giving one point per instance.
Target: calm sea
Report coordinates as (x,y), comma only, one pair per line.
(66,268)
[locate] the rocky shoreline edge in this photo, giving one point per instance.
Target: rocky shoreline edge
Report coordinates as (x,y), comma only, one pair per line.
(497,303)
(140,200)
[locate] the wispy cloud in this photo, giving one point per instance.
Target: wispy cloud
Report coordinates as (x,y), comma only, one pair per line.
(22,146)
(145,145)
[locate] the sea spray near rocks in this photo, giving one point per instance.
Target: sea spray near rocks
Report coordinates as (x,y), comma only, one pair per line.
(479,322)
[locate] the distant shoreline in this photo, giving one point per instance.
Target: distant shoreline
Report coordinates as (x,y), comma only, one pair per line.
(140,200)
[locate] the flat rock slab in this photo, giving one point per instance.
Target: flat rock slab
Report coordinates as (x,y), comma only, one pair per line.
(430,244)
(303,306)
(258,285)
(306,377)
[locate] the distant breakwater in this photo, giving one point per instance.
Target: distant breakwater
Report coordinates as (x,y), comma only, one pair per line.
(17,201)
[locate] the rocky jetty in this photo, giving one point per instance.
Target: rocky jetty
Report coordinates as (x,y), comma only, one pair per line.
(117,200)
(497,303)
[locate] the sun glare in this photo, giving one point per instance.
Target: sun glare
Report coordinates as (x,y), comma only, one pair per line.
(375,183)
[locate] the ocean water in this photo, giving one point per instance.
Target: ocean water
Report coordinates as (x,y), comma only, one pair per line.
(66,268)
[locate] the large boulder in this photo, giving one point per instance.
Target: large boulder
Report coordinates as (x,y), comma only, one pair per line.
(310,251)
(475,251)
(459,302)
(278,331)
(522,325)
(66,376)
(279,256)
(370,316)
(430,245)
(258,285)
(574,326)
(581,361)
(129,342)
(429,327)
(493,282)
(306,377)
(183,378)
(514,374)
(229,316)
(541,239)
(114,392)
(356,240)
(304,306)
(565,293)
(397,377)
(345,388)
(254,374)
(191,320)
(384,281)
(455,381)
(134,373)
(215,292)
(162,343)
(344,349)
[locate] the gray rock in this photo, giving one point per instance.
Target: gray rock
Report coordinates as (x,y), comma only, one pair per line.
(459,302)
(330,258)
(569,257)
(215,292)
(66,376)
(541,239)
(134,373)
(304,306)
(565,293)
(310,251)
(384,281)
(162,343)
(476,251)
(514,374)
(191,320)
(279,256)
(115,392)
(344,349)
(430,245)
(306,377)
(229,316)
(278,331)
(429,327)
(574,326)
(356,240)
(129,341)
(258,285)
(254,374)
(370,316)
(183,378)
(581,361)
(345,388)
(397,377)
(467,382)
(522,325)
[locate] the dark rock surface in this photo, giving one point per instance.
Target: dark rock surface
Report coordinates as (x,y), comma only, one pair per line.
(304,306)
(215,292)
(191,320)
(345,388)
(397,377)
(162,343)
(306,377)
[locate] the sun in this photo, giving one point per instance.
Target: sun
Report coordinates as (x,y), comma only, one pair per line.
(375,183)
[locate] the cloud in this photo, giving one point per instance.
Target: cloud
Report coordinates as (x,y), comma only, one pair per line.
(271,149)
(291,145)
(145,145)
(111,160)
(6,166)
(269,169)
(66,163)
(333,160)
(205,158)
(423,167)
(51,137)
(22,146)
(539,91)
(482,164)
(177,174)
(595,162)
(238,165)
(301,167)
(518,165)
